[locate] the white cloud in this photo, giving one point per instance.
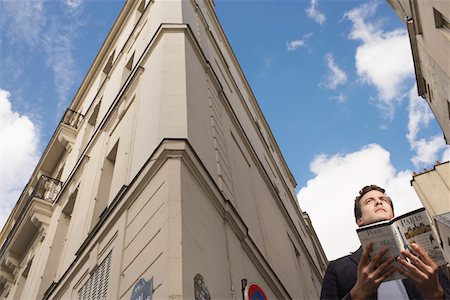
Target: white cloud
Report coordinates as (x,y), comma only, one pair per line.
(336,75)
(25,20)
(383,59)
(329,196)
(341,98)
(18,155)
(314,13)
(446,154)
(419,114)
(361,29)
(426,150)
(265,68)
(26,24)
(57,44)
(74,4)
(295,44)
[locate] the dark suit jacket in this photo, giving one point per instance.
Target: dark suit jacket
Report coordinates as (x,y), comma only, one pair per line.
(340,277)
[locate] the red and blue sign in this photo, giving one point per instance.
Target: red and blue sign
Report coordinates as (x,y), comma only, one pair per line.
(254,292)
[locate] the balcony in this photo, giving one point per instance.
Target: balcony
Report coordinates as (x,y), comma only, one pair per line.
(29,225)
(47,189)
(72,118)
(62,140)
(67,131)
(33,211)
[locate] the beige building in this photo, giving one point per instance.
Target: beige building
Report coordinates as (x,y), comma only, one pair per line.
(443,225)
(433,188)
(428,24)
(163,177)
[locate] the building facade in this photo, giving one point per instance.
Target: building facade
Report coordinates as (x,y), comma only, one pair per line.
(162,178)
(428,24)
(433,189)
(443,226)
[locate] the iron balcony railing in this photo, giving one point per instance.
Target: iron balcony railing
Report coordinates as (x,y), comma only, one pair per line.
(47,188)
(72,118)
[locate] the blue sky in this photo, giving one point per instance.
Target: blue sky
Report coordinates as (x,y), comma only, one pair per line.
(334,79)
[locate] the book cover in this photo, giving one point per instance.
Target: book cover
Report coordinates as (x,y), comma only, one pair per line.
(397,234)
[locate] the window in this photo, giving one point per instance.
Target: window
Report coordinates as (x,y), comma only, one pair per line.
(425,88)
(139,11)
(448,108)
(60,250)
(104,186)
(93,118)
(60,171)
(141,6)
(302,271)
(430,93)
(96,287)
(416,16)
(22,280)
(107,68)
(128,68)
(90,125)
(440,20)
(109,64)
(68,208)
(129,64)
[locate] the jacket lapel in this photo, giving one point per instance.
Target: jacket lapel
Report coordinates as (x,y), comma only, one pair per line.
(356,256)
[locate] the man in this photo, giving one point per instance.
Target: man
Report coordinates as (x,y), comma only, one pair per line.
(356,276)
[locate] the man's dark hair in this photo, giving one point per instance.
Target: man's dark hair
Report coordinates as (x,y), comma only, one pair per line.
(362,192)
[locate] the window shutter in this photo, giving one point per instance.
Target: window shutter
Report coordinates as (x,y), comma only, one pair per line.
(96,287)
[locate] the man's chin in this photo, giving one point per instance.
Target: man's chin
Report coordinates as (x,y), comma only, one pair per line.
(380,218)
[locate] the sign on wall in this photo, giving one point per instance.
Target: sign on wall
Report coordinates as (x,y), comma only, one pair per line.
(253,291)
(143,290)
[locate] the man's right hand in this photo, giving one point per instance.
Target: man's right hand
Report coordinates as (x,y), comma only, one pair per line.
(371,273)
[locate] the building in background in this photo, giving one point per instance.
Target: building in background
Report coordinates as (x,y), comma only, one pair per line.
(433,189)
(162,178)
(428,24)
(443,225)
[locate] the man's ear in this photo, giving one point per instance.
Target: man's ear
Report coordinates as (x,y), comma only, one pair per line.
(360,222)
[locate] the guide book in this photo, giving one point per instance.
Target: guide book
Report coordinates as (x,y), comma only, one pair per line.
(397,234)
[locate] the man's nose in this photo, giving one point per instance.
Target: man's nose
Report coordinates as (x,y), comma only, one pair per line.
(378,201)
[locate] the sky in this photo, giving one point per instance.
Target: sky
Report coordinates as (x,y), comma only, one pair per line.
(334,79)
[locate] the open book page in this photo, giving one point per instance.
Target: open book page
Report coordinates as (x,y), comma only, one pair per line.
(381,234)
(416,227)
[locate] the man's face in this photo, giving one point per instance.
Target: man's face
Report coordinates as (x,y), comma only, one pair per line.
(375,207)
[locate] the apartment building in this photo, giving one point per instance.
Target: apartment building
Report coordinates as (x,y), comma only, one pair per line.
(162,179)
(428,24)
(433,188)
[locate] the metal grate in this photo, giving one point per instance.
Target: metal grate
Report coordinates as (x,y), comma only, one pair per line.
(96,287)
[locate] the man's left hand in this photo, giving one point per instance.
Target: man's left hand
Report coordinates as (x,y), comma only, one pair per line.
(422,271)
